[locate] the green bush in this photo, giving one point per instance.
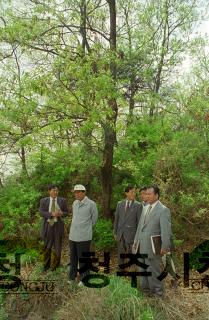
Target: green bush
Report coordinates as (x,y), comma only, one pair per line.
(3,313)
(19,201)
(103,234)
(197,253)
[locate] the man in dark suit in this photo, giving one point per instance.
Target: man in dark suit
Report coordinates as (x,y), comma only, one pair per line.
(127,215)
(52,209)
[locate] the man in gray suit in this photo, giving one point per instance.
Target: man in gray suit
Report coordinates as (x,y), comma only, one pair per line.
(52,209)
(155,220)
(127,215)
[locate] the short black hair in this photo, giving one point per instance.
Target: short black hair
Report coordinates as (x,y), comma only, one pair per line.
(156,189)
(143,188)
(52,186)
(128,188)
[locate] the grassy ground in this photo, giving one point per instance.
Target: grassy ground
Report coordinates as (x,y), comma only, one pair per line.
(117,301)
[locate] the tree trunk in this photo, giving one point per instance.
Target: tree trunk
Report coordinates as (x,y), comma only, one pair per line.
(163,52)
(23,161)
(109,126)
(83,11)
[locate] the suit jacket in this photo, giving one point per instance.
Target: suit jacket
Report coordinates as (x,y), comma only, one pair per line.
(126,222)
(158,223)
(46,230)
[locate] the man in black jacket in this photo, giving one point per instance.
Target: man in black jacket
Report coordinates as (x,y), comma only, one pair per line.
(52,209)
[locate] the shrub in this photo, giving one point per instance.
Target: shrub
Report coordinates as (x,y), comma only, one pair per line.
(103,234)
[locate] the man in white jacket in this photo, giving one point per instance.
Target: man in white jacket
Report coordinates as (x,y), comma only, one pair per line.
(85,215)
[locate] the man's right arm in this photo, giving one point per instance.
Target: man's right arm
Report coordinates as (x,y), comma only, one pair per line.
(136,240)
(42,210)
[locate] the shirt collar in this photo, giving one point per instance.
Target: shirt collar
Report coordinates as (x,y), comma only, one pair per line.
(53,198)
(130,202)
(84,201)
(144,203)
(154,204)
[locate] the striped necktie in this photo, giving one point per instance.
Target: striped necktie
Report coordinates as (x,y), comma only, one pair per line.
(53,205)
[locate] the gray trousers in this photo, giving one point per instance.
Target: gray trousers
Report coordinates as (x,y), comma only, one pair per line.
(123,247)
(151,284)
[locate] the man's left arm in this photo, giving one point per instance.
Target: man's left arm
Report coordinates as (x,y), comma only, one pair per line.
(165,226)
(139,213)
(136,238)
(64,208)
(94,213)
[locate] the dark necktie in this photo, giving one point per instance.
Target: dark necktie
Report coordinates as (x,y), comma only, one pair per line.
(128,205)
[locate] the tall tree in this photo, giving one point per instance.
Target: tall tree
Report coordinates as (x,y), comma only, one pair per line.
(110,124)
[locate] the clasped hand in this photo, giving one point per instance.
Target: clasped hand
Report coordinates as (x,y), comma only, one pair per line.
(57,213)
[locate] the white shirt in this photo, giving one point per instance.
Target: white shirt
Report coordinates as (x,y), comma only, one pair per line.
(152,205)
(50,204)
(130,202)
(147,208)
(144,203)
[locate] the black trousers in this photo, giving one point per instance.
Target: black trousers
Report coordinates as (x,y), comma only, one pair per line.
(47,259)
(53,245)
(77,248)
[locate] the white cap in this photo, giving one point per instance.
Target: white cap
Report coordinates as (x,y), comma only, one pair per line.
(79,187)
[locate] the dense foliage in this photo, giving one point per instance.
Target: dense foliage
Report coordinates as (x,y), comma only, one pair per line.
(87,100)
